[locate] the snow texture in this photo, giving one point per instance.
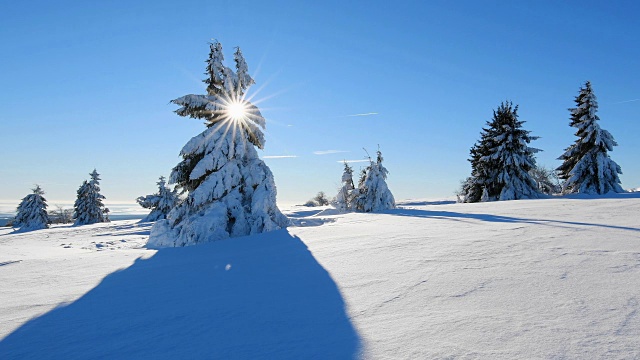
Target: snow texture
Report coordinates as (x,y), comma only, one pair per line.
(231,192)
(160,203)
(531,279)
(587,167)
(88,207)
(32,212)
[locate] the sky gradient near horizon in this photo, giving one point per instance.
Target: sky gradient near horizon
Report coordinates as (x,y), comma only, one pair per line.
(87,85)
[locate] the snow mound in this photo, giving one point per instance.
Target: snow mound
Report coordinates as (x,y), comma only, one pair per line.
(303,216)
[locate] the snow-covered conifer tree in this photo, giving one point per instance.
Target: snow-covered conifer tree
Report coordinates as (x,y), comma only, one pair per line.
(231,191)
(373,193)
(160,203)
(474,186)
(32,212)
(501,160)
(88,207)
(344,199)
(587,167)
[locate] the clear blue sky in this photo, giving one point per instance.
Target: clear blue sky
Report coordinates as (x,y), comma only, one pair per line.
(87,84)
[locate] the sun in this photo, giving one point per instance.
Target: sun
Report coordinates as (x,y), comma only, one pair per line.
(237,110)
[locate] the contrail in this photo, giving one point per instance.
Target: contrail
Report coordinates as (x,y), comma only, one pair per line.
(365,114)
(326,152)
(279,156)
(626,101)
(352,161)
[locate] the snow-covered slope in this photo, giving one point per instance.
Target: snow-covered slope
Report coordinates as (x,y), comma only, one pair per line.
(553,278)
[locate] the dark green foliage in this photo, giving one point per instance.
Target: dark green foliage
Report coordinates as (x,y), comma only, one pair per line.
(501,160)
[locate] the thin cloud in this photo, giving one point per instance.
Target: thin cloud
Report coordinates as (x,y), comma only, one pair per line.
(353,161)
(280,156)
(327,152)
(627,101)
(364,114)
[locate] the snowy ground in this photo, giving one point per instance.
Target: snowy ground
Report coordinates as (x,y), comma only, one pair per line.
(554,278)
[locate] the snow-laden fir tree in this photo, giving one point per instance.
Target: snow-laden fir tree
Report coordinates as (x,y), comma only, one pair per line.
(160,203)
(586,165)
(501,160)
(344,199)
(373,194)
(473,188)
(88,207)
(32,212)
(231,192)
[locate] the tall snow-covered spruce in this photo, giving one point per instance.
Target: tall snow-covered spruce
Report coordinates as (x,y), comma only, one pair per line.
(586,166)
(373,194)
(160,203)
(231,192)
(501,160)
(344,199)
(88,207)
(32,212)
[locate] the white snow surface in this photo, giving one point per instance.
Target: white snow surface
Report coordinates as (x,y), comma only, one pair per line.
(553,278)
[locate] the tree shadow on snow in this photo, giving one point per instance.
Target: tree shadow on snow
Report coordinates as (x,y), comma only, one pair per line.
(253,297)
(455,216)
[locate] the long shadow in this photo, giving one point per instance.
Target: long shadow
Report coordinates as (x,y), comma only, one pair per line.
(259,297)
(455,216)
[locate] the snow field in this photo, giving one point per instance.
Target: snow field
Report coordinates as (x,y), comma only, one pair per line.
(552,278)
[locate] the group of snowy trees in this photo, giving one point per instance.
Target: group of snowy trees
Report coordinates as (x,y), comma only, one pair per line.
(228,191)
(372,193)
(503,165)
(88,208)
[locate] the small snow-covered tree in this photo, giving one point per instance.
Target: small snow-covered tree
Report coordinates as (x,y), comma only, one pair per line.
(586,165)
(344,199)
(321,199)
(373,193)
(88,207)
(32,211)
(231,192)
(160,203)
(501,160)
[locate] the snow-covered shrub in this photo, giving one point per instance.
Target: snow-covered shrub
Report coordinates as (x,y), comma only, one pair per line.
(547,180)
(160,203)
(88,207)
(60,215)
(231,191)
(32,212)
(501,160)
(319,200)
(586,166)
